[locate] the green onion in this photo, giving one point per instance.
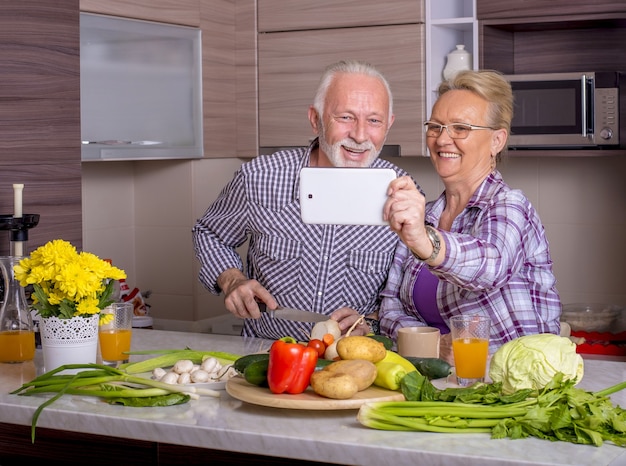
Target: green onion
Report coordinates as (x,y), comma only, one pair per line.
(114,385)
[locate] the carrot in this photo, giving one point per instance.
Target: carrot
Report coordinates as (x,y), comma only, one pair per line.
(328,339)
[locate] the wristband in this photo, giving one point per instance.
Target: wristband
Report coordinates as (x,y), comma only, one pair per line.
(374,325)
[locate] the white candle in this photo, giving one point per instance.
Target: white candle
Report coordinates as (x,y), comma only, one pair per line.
(17,202)
(18,249)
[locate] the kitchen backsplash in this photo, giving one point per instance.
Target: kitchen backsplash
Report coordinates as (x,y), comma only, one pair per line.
(140,214)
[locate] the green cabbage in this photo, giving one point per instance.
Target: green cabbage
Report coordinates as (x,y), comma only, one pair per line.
(532,360)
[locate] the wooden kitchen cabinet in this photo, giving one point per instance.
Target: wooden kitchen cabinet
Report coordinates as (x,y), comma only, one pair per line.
(533,36)
(497,9)
(40,118)
(184,12)
(281,15)
(291,63)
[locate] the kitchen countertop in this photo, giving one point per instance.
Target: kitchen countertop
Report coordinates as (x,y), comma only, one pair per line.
(226,423)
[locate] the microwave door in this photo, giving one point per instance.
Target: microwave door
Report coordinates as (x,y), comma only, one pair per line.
(552,113)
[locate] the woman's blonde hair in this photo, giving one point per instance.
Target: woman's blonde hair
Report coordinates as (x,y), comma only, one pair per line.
(491,86)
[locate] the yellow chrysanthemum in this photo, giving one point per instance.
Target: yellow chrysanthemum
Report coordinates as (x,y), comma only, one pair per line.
(67,283)
(87,306)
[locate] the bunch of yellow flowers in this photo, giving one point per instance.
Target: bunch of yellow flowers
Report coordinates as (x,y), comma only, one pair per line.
(67,283)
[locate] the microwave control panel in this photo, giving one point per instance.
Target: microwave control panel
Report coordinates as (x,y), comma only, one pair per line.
(606,122)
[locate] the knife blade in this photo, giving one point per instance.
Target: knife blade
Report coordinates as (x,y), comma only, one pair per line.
(297,315)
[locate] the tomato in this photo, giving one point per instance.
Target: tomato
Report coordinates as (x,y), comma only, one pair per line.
(319,346)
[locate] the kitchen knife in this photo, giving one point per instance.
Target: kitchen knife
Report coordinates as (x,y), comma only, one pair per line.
(297,315)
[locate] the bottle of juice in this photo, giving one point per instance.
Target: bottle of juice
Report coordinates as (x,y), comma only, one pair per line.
(17,336)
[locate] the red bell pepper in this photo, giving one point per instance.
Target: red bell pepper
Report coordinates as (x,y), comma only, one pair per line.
(290,367)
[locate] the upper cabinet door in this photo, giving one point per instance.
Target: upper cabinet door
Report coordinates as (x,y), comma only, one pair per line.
(184,12)
(496,9)
(281,15)
(291,64)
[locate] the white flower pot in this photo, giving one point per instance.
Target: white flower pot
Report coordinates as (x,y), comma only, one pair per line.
(69,341)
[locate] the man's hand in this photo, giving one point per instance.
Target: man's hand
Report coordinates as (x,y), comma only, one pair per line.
(243,294)
(346,317)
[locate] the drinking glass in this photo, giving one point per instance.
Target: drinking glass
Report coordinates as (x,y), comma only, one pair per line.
(470,345)
(115,335)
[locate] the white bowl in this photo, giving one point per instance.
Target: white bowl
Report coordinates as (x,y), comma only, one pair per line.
(591,317)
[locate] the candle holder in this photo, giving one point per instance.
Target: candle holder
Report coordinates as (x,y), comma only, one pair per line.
(18,230)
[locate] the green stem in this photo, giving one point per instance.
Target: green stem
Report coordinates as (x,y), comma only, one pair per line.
(371,417)
(610,390)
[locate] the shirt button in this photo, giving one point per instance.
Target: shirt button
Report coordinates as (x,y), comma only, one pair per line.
(319,293)
(325,258)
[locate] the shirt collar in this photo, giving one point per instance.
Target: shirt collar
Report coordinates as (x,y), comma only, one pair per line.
(479,200)
(305,162)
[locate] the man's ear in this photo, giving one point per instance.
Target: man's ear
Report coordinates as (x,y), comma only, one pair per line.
(314,119)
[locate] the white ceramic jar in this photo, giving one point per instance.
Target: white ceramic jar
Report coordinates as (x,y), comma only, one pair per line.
(459,59)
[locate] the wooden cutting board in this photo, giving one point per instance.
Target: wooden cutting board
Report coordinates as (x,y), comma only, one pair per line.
(238,388)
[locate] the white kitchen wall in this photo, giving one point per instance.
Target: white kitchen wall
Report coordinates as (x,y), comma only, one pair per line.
(140,214)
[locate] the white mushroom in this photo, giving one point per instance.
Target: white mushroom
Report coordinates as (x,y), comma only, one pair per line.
(170,377)
(199,376)
(229,373)
(158,373)
(184,378)
(183,366)
(210,365)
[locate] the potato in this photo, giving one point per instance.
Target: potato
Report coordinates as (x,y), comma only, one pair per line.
(364,372)
(335,385)
(361,347)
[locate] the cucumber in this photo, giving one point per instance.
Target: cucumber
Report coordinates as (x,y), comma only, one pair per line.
(240,364)
(254,367)
(388,342)
(322,363)
(255,373)
(432,368)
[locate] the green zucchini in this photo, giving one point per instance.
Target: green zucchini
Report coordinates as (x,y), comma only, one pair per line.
(431,368)
(255,373)
(254,367)
(388,342)
(244,361)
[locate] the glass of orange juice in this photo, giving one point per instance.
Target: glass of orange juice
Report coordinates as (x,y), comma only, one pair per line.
(470,345)
(114,333)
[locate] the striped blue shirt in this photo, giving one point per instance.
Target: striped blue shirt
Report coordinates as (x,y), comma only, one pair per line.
(319,268)
(497,261)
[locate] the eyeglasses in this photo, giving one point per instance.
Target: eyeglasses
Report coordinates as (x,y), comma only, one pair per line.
(455,130)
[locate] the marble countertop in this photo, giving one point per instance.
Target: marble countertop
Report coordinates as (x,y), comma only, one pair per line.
(226,423)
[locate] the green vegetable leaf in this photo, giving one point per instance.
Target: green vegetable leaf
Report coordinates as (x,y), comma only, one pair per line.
(560,411)
(162,400)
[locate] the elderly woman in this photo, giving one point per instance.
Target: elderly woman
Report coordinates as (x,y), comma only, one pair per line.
(479,247)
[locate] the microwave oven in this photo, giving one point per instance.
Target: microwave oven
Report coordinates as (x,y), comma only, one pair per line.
(568,111)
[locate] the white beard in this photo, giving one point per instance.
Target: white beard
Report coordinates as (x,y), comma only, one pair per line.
(333,152)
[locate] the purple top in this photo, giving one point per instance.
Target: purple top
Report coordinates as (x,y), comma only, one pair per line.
(497,261)
(425,299)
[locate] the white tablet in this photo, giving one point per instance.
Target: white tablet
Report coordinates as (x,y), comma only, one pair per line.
(344,196)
